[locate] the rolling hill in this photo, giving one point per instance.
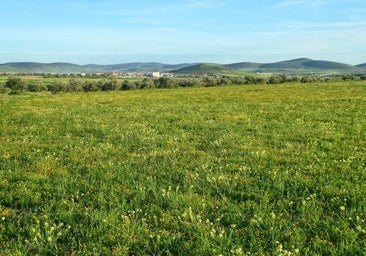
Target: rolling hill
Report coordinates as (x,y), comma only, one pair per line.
(295,66)
(34,67)
(244,66)
(205,69)
(61,67)
(304,65)
(363,66)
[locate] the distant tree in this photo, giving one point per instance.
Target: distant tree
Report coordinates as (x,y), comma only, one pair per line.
(308,79)
(90,86)
(260,80)
(37,86)
(126,85)
(110,85)
(278,79)
(209,82)
(186,83)
(274,79)
(249,79)
(146,83)
(162,82)
(4,89)
(15,84)
(224,80)
(55,87)
(348,77)
(74,85)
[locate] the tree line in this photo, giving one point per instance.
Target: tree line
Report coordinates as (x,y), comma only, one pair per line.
(16,85)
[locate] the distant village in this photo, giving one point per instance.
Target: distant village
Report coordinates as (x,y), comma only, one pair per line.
(129,74)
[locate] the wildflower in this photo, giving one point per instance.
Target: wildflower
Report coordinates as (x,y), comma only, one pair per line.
(342,208)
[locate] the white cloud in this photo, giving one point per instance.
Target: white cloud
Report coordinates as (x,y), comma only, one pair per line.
(299,3)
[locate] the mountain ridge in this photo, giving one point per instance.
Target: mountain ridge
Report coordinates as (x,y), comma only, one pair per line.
(300,65)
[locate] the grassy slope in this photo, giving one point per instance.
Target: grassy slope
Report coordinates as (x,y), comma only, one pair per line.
(245,66)
(207,69)
(226,170)
(304,65)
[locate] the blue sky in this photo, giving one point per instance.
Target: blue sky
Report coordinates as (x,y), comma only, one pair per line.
(170,31)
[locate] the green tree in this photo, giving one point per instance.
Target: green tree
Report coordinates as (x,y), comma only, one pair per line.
(90,86)
(162,82)
(55,86)
(37,86)
(15,84)
(126,85)
(110,85)
(146,83)
(74,85)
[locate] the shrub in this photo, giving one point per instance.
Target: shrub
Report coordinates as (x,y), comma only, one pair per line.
(110,85)
(55,87)
(90,86)
(37,87)
(3,89)
(15,84)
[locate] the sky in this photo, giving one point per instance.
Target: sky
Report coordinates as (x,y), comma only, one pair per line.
(171,31)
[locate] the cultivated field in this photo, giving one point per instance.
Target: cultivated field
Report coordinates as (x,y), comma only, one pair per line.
(232,170)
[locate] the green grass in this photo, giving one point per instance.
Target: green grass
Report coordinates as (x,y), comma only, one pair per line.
(259,170)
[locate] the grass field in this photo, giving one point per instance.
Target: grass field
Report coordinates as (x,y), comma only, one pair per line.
(245,170)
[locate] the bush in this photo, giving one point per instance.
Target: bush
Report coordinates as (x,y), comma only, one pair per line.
(110,85)
(55,87)
(126,85)
(307,79)
(37,87)
(3,89)
(90,86)
(15,84)
(74,85)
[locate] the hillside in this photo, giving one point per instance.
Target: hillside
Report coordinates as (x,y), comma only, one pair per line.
(295,66)
(145,66)
(363,66)
(308,65)
(244,66)
(206,69)
(35,67)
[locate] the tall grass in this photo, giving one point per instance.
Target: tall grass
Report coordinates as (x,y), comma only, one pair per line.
(245,170)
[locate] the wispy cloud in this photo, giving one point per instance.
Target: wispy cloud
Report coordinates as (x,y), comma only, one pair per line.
(201,4)
(299,3)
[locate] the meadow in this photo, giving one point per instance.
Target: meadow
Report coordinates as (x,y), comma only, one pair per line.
(231,170)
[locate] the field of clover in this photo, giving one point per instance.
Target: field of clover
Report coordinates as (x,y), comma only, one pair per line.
(231,170)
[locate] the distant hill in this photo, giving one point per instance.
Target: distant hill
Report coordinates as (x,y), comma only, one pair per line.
(296,66)
(308,65)
(362,65)
(145,66)
(205,69)
(34,67)
(244,66)
(61,67)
